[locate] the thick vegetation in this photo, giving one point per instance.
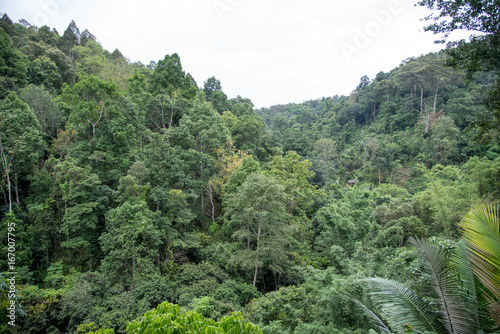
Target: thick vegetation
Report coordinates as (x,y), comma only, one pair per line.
(133,189)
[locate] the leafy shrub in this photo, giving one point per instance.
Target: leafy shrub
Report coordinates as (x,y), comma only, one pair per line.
(167,318)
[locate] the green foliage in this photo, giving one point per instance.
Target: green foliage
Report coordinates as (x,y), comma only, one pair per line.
(480,231)
(453,285)
(42,307)
(169,76)
(196,281)
(258,219)
(21,144)
(130,186)
(169,319)
(450,193)
(293,174)
(92,328)
(238,293)
(80,195)
(480,53)
(130,243)
(13,65)
(343,221)
(89,100)
(46,110)
(239,176)
(287,307)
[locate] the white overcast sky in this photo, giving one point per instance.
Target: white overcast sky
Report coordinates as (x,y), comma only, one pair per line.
(273,52)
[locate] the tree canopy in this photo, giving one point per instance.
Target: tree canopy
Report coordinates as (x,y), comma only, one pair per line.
(141,202)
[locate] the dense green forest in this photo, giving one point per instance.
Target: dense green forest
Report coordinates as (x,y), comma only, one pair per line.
(135,195)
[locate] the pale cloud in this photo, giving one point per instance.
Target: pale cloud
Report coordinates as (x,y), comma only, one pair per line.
(272,52)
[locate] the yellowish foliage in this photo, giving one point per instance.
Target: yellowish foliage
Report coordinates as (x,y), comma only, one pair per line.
(228,160)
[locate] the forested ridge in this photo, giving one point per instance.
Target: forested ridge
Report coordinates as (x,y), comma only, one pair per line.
(132,188)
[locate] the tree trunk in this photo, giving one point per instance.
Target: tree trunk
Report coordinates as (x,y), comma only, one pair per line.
(422,99)
(5,165)
(171,117)
(211,197)
(201,195)
(213,207)
(411,95)
(95,123)
(427,121)
(257,256)
(163,124)
(436,96)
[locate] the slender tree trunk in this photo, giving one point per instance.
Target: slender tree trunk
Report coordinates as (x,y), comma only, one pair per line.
(169,126)
(379,176)
(257,256)
(213,206)
(101,112)
(422,99)
(436,96)
(211,197)
(163,123)
(5,165)
(201,195)
(427,121)
(411,95)
(171,117)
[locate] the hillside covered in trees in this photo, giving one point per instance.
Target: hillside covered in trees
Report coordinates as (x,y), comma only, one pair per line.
(131,185)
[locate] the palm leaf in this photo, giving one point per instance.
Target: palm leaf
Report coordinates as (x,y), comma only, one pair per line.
(481,232)
(372,313)
(460,267)
(454,287)
(402,306)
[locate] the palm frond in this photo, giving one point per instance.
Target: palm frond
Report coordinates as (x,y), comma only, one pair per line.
(460,267)
(481,232)
(402,306)
(377,318)
(459,315)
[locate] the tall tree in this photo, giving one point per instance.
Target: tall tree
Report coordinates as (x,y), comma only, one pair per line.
(168,75)
(69,39)
(46,110)
(293,173)
(210,86)
(132,237)
(258,216)
(13,65)
(200,132)
(89,100)
(21,142)
(81,200)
